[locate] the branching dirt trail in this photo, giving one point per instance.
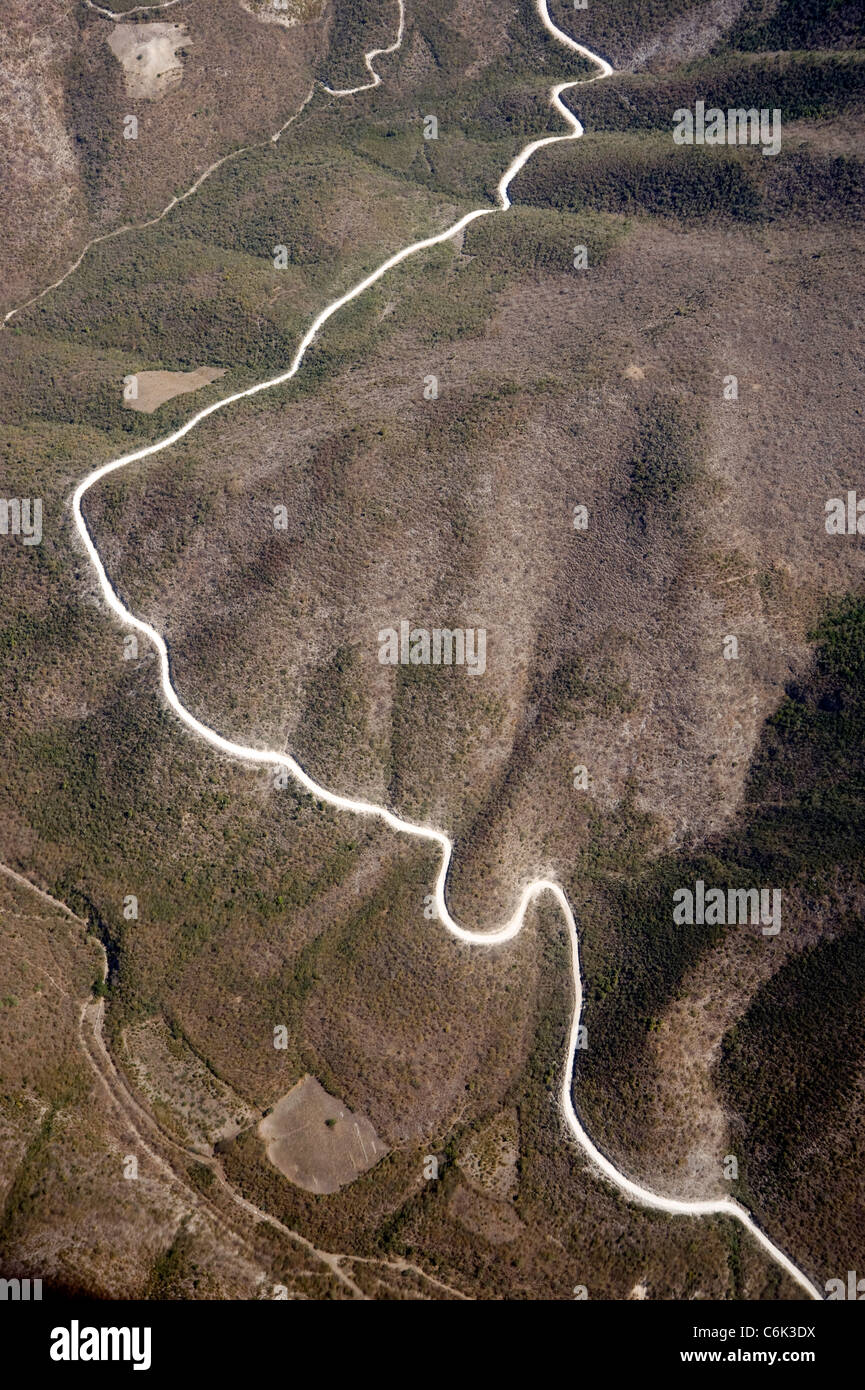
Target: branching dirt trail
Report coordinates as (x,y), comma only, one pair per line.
(55,902)
(152,221)
(722,1206)
(160,1147)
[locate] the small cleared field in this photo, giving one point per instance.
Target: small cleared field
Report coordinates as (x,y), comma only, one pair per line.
(288,13)
(316,1142)
(154,388)
(150,54)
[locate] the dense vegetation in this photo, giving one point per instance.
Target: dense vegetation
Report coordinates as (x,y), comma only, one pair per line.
(802,86)
(802,829)
(666,450)
(798,24)
(648,174)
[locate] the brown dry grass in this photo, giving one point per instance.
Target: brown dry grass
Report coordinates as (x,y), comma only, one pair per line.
(315,1141)
(156,387)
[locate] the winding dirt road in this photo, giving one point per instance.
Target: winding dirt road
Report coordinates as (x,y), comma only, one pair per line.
(724,1206)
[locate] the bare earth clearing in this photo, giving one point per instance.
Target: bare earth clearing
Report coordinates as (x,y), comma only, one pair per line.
(150,56)
(155,388)
(316,1142)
